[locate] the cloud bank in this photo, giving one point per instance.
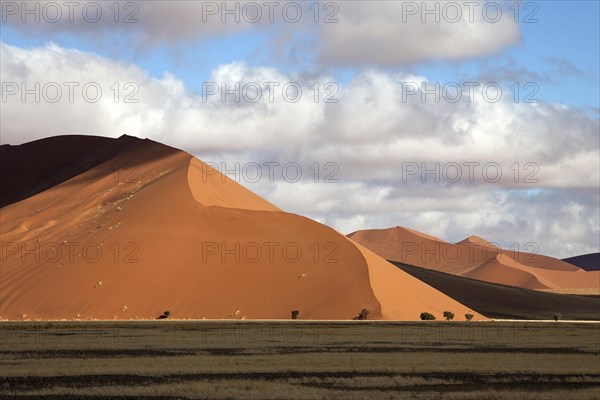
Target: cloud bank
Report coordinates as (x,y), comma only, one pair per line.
(384,154)
(334,33)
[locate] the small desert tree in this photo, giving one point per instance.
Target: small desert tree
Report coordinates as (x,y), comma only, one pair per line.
(557,316)
(364,314)
(295,314)
(468,317)
(427,316)
(449,315)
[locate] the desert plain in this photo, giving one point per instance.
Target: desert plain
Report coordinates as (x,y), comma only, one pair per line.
(300,360)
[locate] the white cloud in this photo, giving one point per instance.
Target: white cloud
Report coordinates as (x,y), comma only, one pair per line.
(399,32)
(353,33)
(372,135)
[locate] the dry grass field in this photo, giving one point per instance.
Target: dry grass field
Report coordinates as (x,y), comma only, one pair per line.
(299,360)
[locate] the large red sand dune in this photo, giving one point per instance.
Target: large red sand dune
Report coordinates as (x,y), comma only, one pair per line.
(149,228)
(476,258)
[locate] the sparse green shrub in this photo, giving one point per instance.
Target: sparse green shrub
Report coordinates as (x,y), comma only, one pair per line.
(449,315)
(468,317)
(295,314)
(427,316)
(557,316)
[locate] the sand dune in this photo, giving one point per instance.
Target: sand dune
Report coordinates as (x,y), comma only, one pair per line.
(414,248)
(476,240)
(588,262)
(477,258)
(506,271)
(501,301)
(532,259)
(154,229)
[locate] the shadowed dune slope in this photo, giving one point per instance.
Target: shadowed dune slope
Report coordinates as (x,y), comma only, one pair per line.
(477,258)
(167,233)
(501,301)
(33,167)
(588,262)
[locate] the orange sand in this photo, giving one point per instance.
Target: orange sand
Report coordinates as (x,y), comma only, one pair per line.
(162,231)
(476,258)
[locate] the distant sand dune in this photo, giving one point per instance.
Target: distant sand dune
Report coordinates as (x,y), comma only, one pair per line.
(476,258)
(508,302)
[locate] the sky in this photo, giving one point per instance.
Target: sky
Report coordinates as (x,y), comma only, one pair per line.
(452,118)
